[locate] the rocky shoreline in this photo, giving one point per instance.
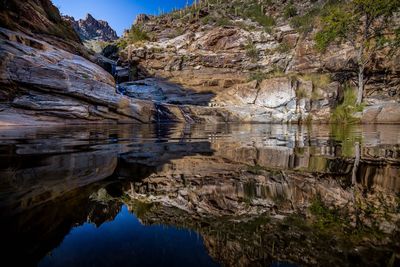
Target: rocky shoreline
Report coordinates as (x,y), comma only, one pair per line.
(200,71)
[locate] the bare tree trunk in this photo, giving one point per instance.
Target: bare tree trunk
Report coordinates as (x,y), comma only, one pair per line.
(355,187)
(360,90)
(357,156)
(361,68)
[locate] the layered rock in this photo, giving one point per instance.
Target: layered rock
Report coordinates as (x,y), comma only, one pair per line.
(42,83)
(42,20)
(192,49)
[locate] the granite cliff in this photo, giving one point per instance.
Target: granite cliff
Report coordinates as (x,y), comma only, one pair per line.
(214,61)
(48,76)
(92,29)
(257,61)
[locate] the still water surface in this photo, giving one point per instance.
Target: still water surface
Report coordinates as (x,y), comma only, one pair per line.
(203,195)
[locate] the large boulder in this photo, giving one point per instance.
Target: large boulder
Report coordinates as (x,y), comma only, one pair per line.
(382,113)
(39,80)
(275,92)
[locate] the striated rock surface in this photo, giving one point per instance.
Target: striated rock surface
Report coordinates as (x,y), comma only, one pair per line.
(91,29)
(44,84)
(41,19)
(221,49)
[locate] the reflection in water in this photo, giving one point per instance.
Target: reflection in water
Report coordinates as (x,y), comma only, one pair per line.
(126,242)
(236,195)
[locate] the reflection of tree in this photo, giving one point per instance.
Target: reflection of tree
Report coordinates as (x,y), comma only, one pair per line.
(347,135)
(355,187)
(357,156)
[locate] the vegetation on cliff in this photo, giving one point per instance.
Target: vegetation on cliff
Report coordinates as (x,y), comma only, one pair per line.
(365,24)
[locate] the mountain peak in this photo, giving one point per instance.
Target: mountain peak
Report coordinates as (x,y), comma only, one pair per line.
(89,17)
(92,29)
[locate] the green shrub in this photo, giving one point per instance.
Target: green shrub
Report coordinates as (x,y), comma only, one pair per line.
(255,13)
(343,113)
(290,11)
(318,80)
(256,169)
(258,76)
(283,47)
(305,23)
(323,216)
(137,35)
(251,51)
(301,93)
(223,22)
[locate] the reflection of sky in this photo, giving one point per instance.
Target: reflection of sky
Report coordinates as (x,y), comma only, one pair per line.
(125,241)
(120,14)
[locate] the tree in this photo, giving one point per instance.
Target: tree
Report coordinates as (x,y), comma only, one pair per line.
(363,23)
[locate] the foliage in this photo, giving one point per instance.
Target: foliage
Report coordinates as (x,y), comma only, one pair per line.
(301,93)
(318,80)
(136,35)
(251,51)
(343,113)
(255,13)
(258,76)
(357,18)
(337,25)
(283,47)
(255,169)
(223,22)
(363,23)
(324,217)
(305,23)
(290,10)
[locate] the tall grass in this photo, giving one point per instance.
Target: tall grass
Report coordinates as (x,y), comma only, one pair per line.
(344,113)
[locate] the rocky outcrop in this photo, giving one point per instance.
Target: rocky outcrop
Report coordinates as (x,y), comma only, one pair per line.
(41,19)
(44,84)
(141,18)
(92,29)
(215,48)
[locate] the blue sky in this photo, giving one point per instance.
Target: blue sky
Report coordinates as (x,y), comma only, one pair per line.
(120,14)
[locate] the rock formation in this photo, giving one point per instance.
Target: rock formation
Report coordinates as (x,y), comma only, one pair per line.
(92,29)
(48,77)
(259,70)
(255,193)
(224,61)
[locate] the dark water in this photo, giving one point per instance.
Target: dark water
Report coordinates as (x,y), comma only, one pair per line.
(205,195)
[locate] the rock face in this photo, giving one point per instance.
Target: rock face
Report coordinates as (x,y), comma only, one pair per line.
(40,81)
(207,65)
(92,29)
(259,75)
(44,81)
(141,18)
(43,20)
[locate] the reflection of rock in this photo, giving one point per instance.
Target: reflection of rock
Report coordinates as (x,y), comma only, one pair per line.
(103,207)
(223,202)
(216,179)
(30,181)
(36,230)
